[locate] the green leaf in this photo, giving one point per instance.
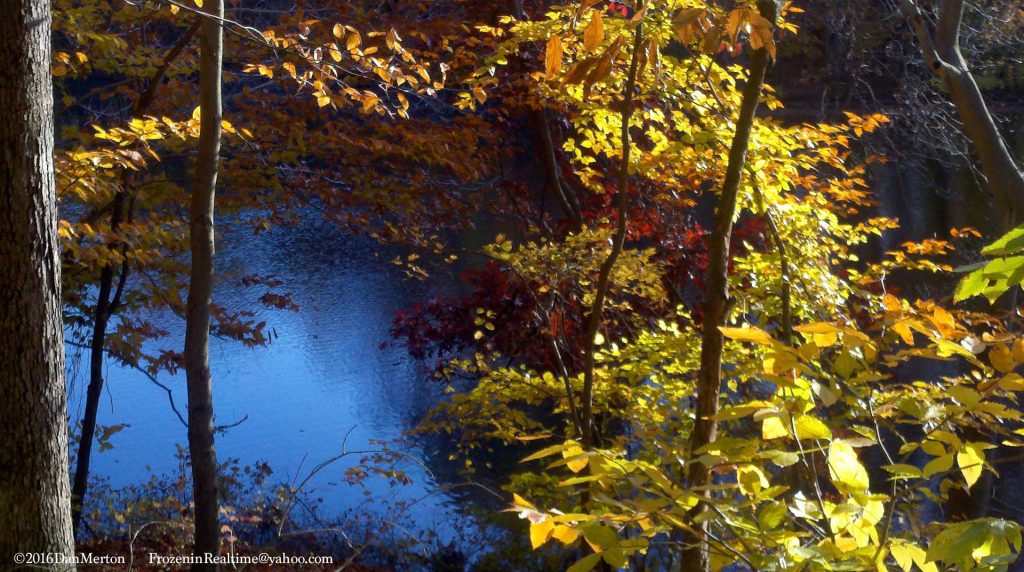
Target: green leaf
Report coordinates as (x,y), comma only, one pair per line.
(903,471)
(967,543)
(548,451)
(939,465)
(586,564)
(1009,243)
(599,535)
(971,285)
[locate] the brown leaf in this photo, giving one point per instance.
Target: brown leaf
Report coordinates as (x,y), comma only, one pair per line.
(553,57)
(593,35)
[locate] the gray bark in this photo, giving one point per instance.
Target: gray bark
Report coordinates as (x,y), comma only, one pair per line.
(940,45)
(35,496)
(197,330)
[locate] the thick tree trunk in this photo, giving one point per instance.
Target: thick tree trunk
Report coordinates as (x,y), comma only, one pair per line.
(35,497)
(942,53)
(696,554)
(197,330)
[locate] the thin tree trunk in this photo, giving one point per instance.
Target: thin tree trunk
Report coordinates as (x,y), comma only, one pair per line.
(107,307)
(95,389)
(618,241)
(197,331)
(942,53)
(35,496)
(695,555)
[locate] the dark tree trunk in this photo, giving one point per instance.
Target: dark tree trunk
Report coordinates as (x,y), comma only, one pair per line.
(197,330)
(696,554)
(35,497)
(107,306)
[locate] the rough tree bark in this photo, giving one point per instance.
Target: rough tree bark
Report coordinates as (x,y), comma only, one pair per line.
(35,497)
(197,329)
(940,46)
(695,556)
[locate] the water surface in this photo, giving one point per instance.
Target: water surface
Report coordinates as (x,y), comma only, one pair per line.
(324,376)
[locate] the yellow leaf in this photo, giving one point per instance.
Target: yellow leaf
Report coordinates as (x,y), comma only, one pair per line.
(938,465)
(353,41)
(1002,358)
(848,475)
(903,329)
(338,31)
(540,532)
(904,553)
(593,35)
(971,460)
(818,328)
(773,428)
(747,334)
(392,39)
(323,100)
(564,534)
(751,479)
(892,303)
(808,427)
(520,501)
(553,57)
(576,458)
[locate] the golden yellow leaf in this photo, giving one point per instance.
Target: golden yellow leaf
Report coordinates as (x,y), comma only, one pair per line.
(593,35)
(564,534)
(540,532)
(353,41)
(1001,358)
(747,334)
(553,57)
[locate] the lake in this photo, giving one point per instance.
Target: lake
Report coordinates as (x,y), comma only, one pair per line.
(323,376)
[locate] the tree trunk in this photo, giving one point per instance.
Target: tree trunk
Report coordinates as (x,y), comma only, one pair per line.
(943,56)
(35,497)
(197,330)
(696,554)
(941,50)
(589,427)
(106,306)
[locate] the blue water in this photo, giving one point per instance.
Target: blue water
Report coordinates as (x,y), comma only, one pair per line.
(323,376)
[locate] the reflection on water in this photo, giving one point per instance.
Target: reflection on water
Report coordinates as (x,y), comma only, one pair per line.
(323,375)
